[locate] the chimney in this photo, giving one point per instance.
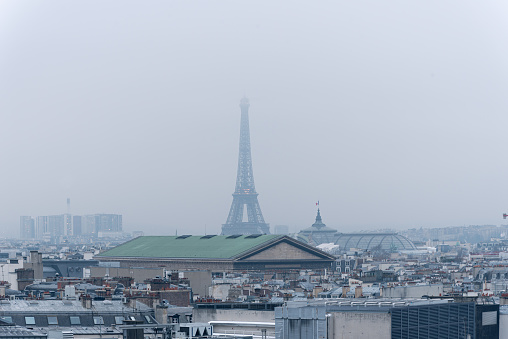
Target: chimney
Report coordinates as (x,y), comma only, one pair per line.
(358,292)
(345,289)
(503,299)
(161,314)
(86,301)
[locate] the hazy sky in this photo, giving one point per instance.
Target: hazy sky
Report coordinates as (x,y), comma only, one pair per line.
(390,113)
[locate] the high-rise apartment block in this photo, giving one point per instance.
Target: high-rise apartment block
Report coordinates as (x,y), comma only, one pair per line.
(76,225)
(54,226)
(27,227)
(95,223)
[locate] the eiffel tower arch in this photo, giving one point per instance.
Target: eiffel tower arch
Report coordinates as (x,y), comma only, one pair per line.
(245,195)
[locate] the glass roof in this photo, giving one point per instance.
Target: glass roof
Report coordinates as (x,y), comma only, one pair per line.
(369,241)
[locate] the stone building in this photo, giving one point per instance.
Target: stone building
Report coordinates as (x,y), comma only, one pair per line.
(219,253)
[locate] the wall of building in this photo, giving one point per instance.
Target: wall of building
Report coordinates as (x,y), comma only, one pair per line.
(35,263)
(503,325)
(487,321)
(301,322)
(139,274)
(176,297)
(8,271)
(200,281)
(69,268)
(174,265)
(247,328)
(283,251)
(356,325)
(219,291)
(411,291)
(203,315)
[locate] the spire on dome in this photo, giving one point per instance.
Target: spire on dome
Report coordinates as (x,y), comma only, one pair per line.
(319,221)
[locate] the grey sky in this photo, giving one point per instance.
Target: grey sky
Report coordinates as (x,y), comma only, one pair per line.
(391,113)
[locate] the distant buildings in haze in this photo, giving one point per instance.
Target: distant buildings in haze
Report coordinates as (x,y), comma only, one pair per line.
(54,226)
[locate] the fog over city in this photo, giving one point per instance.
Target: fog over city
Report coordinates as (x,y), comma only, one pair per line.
(393,114)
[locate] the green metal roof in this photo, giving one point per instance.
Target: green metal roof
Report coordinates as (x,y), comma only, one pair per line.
(207,247)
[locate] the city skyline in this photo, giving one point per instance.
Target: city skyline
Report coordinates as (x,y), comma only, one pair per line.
(393,115)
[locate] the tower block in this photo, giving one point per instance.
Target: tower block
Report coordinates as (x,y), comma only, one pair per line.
(245,195)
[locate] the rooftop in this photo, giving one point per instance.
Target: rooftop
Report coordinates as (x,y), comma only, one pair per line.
(187,246)
(64,306)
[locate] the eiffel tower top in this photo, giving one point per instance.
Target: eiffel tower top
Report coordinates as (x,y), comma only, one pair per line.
(244,103)
(245,175)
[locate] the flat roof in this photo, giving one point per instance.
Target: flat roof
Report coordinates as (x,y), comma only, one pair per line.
(206,247)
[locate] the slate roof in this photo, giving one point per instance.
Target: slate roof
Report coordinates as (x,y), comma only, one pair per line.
(206,247)
(17,311)
(65,306)
(20,332)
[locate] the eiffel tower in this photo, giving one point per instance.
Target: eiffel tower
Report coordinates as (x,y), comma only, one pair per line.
(245,195)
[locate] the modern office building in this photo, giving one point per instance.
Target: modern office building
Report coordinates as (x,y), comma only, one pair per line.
(387,319)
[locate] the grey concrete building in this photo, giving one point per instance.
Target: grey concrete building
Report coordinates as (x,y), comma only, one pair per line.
(386,319)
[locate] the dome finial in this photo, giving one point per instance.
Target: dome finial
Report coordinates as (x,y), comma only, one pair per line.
(318,217)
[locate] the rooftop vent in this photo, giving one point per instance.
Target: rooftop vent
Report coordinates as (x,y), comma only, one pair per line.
(234,236)
(184,236)
(208,236)
(252,236)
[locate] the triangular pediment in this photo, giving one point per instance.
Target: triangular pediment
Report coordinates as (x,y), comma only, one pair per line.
(283,251)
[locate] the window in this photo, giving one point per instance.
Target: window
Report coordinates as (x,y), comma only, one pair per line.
(75,321)
(52,321)
(119,320)
(98,321)
(148,319)
(489,318)
(6,319)
(30,320)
